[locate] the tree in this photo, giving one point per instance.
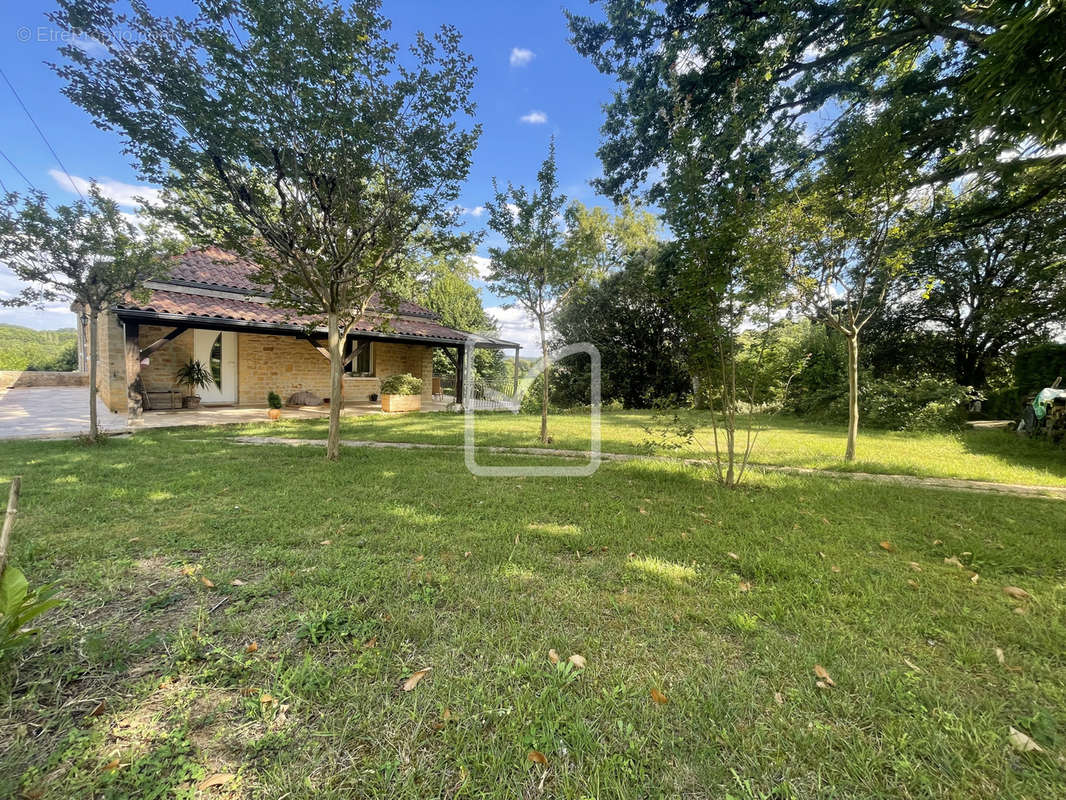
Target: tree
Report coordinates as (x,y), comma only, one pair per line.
(541,264)
(985,292)
(847,251)
(954,82)
(631,320)
(293,133)
(87,253)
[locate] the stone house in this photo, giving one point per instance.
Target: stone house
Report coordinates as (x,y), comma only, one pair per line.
(207,309)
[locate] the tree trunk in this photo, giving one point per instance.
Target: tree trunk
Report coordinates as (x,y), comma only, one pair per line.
(546,378)
(853,394)
(336,388)
(93,361)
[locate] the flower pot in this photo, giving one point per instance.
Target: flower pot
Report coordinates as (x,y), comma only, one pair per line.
(274,414)
(190,401)
(401,402)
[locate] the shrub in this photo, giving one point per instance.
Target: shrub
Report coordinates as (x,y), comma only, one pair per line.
(924,403)
(274,400)
(401,384)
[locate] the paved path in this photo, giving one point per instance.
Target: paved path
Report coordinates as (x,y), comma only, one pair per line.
(956,484)
(63,412)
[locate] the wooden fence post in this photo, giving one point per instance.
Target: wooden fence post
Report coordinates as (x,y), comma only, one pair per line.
(9,518)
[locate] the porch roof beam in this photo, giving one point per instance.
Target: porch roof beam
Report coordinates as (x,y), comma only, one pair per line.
(162,342)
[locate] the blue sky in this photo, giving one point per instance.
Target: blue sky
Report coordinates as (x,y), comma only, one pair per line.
(526,69)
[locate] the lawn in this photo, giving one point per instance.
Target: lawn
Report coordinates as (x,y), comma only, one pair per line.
(985,455)
(250,613)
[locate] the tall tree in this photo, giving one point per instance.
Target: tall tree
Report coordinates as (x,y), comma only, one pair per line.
(958,84)
(540,264)
(296,133)
(88,253)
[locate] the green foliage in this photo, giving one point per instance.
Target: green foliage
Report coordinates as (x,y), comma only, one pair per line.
(19,606)
(405,384)
(921,403)
(194,375)
(274,400)
(42,351)
(1037,367)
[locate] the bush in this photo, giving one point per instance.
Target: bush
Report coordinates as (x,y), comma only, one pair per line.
(274,400)
(405,384)
(924,403)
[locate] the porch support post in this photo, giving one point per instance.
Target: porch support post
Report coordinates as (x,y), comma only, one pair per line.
(460,366)
(134,386)
(514,392)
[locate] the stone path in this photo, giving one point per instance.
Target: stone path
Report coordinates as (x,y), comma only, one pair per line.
(955,484)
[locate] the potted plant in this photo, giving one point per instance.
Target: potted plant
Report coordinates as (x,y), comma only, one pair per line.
(274,401)
(195,376)
(401,393)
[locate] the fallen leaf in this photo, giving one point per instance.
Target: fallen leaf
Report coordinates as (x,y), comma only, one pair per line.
(953,561)
(326,541)
(236,582)
(446,715)
(821,684)
(733,556)
(1002,659)
(553,657)
(821,554)
(218,779)
(834,568)
(412,682)
(248,691)
(370,643)
(912,665)
(252,647)
(538,757)
(974,577)
(936,542)
(659,697)
(1022,742)
(577,660)
(745,586)
(207,582)
(887,546)
(642,510)
(266,699)
(135,539)
(99,709)
(1020,611)
(188,569)
(419,559)
(912,583)
(819,670)
(1016,593)
(915,566)
(779,698)
(112,765)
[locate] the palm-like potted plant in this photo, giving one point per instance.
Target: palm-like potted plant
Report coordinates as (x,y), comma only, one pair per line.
(401,393)
(193,375)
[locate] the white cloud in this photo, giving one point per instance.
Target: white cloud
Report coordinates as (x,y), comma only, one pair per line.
(534,118)
(515,326)
(514,210)
(124,194)
(520,56)
(481,264)
(476,211)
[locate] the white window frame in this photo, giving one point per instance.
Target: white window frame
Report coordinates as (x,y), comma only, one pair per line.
(370,356)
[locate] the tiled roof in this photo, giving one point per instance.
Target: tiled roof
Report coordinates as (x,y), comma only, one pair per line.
(215,267)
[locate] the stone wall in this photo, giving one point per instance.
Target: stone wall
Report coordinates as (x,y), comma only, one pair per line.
(111,367)
(282,364)
(19,379)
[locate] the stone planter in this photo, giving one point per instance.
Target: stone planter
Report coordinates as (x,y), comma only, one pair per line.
(401,402)
(190,401)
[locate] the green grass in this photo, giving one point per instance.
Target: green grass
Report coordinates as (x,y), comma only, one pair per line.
(479,578)
(985,455)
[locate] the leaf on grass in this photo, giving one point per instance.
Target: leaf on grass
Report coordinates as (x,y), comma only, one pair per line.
(779,698)
(218,779)
(974,577)
(553,657)
(887,546)
(659,697)
(577,660)
(419,559)
(821,684)
(819,670)
(821,555)
(412,682)
(466,554)
(1016,593)
(912,583)
(207,582)
(538,757)
(446,715)
(642,510)
(912,665)
(1020,610)
(915,566)
(733,556)
(236,582)
(99,709)
(936,542)
(1002,659)
(248,691)
(266,699)
(135,539)
(1022,742)
(745,586)
(112,765)
(834,568)
(370,643)
(252,647)
(953,561)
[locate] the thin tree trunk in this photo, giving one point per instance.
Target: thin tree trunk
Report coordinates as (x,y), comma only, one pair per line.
(93,361)
(336,388)
(853,394)
(546,378)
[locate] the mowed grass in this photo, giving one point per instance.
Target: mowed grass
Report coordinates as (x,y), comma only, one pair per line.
(356,575)
(984,455)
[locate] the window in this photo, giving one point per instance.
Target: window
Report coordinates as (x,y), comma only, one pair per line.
(362,364)
(216,362)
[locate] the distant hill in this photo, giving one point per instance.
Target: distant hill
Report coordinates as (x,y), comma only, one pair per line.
(25,348)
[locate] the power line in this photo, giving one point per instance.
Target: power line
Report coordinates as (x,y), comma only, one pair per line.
(14,166)
(43,137)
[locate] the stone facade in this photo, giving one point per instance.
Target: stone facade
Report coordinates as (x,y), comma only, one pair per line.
(265,363)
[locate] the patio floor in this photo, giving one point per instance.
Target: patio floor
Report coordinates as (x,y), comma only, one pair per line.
(60,412)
